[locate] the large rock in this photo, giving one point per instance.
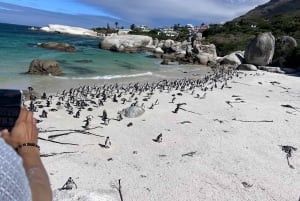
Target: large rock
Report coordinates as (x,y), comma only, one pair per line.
(45,67)
(260,50)
(235,58)
(170,57)
(196,39)
(247,67)
(203,58)
(168,46)
(208,50)
(284,47)
(133,111)
(165,62)
(58,46)
(127,43)
(158,50)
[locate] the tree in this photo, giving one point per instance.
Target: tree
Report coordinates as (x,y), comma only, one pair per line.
(107,29)
(133,27)
(107,26)
(116,23)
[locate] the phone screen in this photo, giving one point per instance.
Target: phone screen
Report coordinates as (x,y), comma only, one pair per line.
(10,103)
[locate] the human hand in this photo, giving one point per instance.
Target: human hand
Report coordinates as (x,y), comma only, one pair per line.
(24,131)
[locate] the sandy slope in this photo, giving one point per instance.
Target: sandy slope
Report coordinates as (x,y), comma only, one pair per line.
(212,150)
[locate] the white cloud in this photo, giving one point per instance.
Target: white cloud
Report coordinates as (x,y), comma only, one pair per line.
(152,11)
(8,9)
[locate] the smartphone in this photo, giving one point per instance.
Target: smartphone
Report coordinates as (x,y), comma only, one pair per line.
(10,105)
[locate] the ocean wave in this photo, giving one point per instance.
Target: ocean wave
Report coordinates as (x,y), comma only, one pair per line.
(105,77)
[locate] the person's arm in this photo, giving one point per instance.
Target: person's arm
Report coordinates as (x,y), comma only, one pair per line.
(36,174)
(25,131)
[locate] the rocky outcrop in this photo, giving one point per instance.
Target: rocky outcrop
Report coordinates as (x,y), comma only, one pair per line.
(196,39)
(186,53)
(260,50)
(127,43)
(58,46)
(168,50)
(199,54)
(44,67)
(158,50)
(235,59)
(284,47)
(203,59)
(69,30)
(209,50)
(165,62)
(264,53)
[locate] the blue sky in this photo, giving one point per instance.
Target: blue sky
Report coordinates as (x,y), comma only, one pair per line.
(97,13)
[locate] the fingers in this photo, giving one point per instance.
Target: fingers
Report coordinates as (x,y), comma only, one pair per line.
(31,121)
(4,132)
(29,117)
(22,115)
(34,121)
(34,128)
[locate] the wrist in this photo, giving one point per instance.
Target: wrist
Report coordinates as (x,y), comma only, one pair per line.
(26,148)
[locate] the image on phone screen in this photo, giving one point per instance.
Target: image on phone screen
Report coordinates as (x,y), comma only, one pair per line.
(10,103)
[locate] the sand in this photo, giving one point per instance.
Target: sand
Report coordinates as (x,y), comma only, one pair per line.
(225,146)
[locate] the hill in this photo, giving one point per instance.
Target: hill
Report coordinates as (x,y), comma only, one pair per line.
(272,9)
(281,17)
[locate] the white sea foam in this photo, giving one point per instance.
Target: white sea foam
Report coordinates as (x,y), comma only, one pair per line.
(105,77)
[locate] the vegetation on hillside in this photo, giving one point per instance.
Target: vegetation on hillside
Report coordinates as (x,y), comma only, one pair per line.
(279,17)
(235,35)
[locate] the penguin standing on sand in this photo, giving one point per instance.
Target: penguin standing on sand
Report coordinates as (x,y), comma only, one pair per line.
(107,143)
(158,139)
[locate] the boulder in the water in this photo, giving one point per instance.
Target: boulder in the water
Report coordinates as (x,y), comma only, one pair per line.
(58,46)
(44,67)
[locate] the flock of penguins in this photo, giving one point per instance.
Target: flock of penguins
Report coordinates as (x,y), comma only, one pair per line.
(75,100)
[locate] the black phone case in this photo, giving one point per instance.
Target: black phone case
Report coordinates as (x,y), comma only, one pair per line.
(10,103)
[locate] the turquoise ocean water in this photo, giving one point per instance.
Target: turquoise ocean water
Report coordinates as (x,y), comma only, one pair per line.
(18,47)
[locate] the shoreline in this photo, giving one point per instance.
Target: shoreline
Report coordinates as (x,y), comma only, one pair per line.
(51,84)
(223,145)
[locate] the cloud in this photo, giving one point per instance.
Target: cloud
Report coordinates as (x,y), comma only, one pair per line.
(35,17)
(7,9)
(154,13)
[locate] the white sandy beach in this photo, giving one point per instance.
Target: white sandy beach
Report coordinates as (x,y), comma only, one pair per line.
(223,147)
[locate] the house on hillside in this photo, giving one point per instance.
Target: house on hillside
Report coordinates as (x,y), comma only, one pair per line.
(168,32)
(189,26)
(144,28)
(123,31)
